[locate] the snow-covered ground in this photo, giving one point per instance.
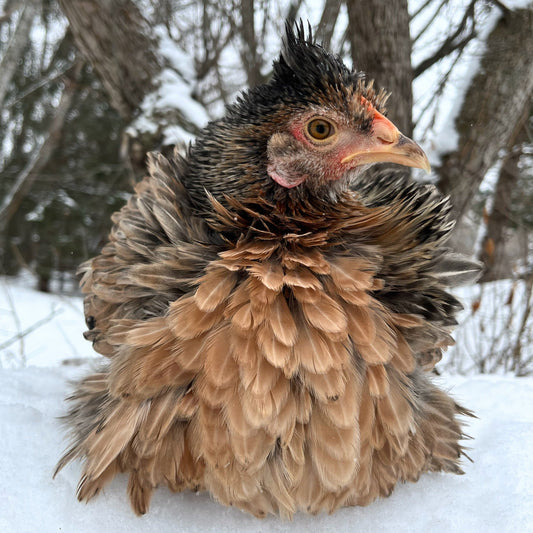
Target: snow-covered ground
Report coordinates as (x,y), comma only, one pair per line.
(495,494)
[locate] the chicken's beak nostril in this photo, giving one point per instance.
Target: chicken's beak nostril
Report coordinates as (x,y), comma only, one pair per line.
(385,140)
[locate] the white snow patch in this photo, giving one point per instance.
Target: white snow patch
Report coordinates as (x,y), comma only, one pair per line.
(57,322)
(173,92)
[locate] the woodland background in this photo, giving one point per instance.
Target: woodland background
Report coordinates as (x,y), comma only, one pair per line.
(88,87)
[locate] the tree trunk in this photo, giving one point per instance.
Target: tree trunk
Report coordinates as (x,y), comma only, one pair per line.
(250,57)
(493,246)
(115,38)
(491,108)
(381,47)
(328,20)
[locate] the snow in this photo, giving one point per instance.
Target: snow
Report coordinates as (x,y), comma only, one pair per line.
(59,336)
(173,92)
(494,495)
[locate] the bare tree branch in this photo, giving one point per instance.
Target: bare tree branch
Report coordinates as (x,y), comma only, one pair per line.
(431,20)
(40,158)
(451,44)
(16,46)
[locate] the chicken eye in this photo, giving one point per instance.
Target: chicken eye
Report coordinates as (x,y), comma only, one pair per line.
(320,129)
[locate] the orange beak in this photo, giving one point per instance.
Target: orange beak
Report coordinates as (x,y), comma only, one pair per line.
(385,143)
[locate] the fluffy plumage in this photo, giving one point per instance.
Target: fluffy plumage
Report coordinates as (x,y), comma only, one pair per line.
(270,312)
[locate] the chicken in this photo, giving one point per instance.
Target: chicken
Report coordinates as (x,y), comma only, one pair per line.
(270,309)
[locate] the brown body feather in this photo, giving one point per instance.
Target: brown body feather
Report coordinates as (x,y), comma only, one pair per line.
(274,353)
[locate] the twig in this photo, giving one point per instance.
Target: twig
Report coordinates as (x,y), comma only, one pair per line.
(18,325)
(32,328)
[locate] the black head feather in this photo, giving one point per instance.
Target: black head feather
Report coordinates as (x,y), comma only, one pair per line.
(306,67)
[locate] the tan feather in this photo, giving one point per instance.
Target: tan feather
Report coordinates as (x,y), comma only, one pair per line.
(214,289)
(361,324)
(394,411)
(359,298)
(378,437)
(282,322)
(166,465)
(293,469)
(303,404)
(213,395)
(255,250)
(243,318)
(106,442)
(339,352)
(283,425)
(89,487)
(239,297)
(260,377)
(351,274)
(379,352)
(343,412)
(187,321)
(412,463)
(367,411)
(190,354)
(259,294)
(275,352)
(306,295)
(326,315)
(326,387)
(296,446)
(159,418)
(378,380)
(309,492)
(312,351)
(280,392)
(140,493)
(220,367)
(276,483)
(237,422)
(270,274)
(252,450)
(157,370)
(244,347)
(301,278)
(403,359)
(187,405)
(338,443)
(406,320)
(259,410)
(191,468)
(310,258)
(153,332)
(334,474)
(216,448)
